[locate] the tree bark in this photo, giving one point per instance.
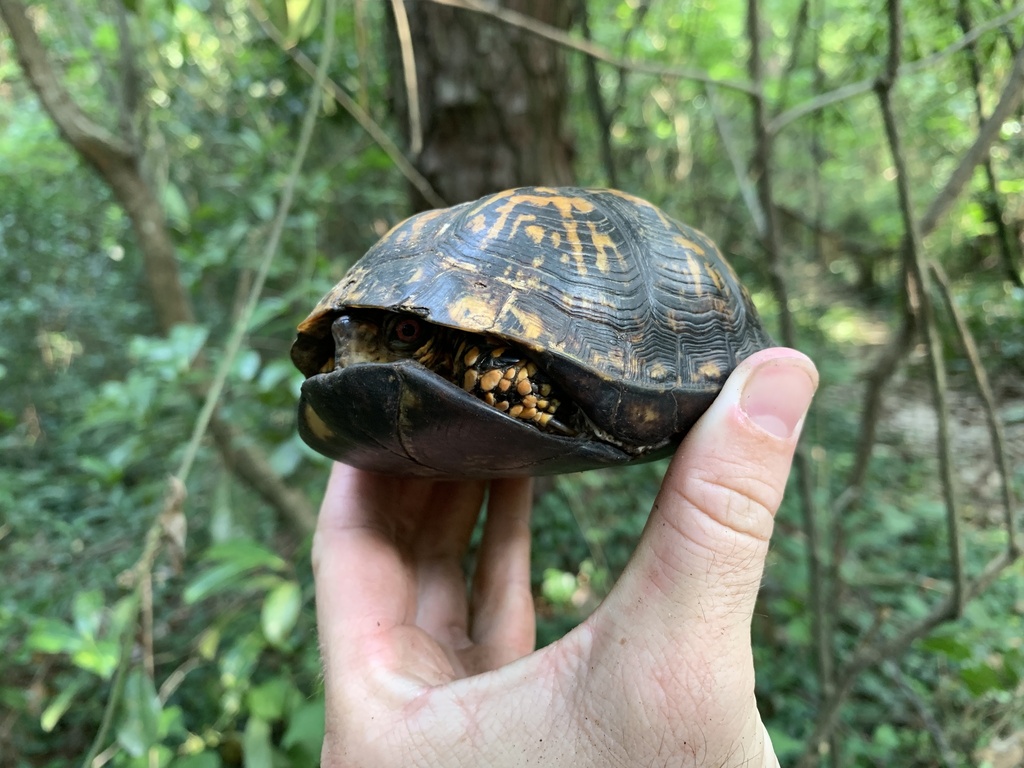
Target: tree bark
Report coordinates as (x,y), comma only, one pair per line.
(491,99)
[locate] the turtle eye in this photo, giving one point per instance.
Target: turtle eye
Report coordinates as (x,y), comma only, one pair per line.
(405,333)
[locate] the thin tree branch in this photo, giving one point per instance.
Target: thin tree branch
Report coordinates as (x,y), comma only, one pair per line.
(131,79)
(748,190)
(871,655)
(920,302)
(939,738)
(555,35)
(1013,92)
(991,200)
(402,163)
(881,373)
(799,29)
(995,425)
(412,93)
(1009,100)
(601,115)
(137,575)
(241,325)
(762,166)
(865,86)
(919,313)
(115,161)
(174,500)
(640,12)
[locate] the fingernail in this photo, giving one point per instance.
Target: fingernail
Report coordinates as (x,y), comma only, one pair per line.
(777,395)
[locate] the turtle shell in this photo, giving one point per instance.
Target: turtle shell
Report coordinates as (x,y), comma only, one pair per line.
(636,317)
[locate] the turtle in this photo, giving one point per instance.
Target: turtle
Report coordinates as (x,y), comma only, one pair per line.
(539,330)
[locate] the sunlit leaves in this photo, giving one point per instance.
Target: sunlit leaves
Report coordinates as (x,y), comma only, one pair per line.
(139,726)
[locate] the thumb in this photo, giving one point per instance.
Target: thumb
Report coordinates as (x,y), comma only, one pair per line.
(701,557)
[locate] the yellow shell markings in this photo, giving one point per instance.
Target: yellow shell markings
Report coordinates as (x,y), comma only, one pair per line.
(566,207)
(573,238)
(639,202)
(520,219)
(658,371)
(602,243)
(707,370)
(690,245)
(417,223)
(533,327)
(697,272)
(535,233)
(317,425)
(472,312)
(716,278)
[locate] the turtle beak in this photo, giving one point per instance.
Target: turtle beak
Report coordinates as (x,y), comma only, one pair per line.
(355,341)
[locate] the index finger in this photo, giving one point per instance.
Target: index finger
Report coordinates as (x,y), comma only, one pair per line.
(361,581)
(380,553)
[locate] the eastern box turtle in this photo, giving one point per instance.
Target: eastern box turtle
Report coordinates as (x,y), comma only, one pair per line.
(534,331)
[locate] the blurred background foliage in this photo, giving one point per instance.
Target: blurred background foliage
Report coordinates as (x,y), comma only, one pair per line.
(97,398)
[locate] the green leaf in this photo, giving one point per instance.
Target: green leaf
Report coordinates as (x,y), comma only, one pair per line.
(176,207)
(303,18)
(981,679)
(87,610)
(306,729)
(216,579)
(272,699)
(140,718)
(247,551)
(237,557)
(55,709)
(287,456)
(53,636)
(269,309)
(104,37)
(950,647)
(558,586)
(273,373)
(99,657)
(247,364)
(280,612)
(256,748)
(208,759)
(885,736)
(277,12)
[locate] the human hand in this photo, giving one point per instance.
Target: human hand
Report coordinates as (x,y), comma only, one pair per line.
(417,672)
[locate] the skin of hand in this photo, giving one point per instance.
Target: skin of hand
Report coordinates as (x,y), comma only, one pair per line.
(419,670)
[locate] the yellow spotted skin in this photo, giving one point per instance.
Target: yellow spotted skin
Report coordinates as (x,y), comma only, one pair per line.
(634,314)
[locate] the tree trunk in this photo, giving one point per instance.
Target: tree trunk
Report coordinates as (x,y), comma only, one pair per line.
(491,98)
